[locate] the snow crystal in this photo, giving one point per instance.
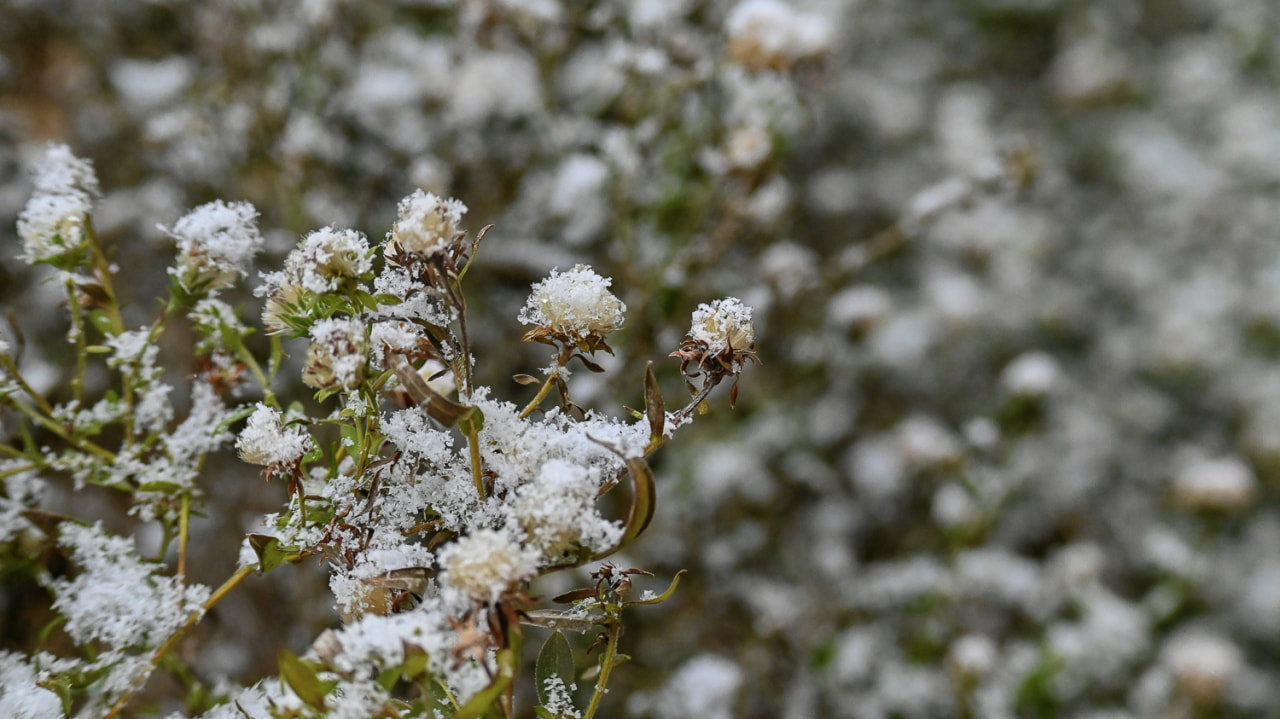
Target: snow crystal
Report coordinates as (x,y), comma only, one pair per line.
(117,598)
(265,441)
(20,696)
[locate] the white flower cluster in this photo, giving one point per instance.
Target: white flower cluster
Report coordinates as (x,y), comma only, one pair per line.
(216,243)
(576,304)
(53,222)
(770,34)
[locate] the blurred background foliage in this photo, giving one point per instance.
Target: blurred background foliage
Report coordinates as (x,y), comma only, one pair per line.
(1014,446)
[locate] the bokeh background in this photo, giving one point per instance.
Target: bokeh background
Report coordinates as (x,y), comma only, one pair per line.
(1014,446)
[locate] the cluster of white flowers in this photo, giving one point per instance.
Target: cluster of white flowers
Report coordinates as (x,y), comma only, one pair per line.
(216,243)
(53,222)
(576,304)
(771,34)
(486,563)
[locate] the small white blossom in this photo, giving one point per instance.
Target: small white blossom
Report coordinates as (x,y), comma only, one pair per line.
(426,224)
(770,34)
(216,241)
(574,304)
(267,442)
(485,563)
(1224,484)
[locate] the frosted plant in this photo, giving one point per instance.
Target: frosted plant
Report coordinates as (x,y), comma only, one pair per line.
(433,502)
(53,222)
(216,242)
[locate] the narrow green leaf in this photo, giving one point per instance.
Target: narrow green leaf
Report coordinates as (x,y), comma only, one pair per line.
(554,660)
(643,504)
(671,589)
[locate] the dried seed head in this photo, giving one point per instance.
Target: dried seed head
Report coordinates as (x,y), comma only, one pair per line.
(427,225)
(338,354)
(575,307)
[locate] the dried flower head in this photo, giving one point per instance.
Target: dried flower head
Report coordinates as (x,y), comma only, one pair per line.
(574,307)
(338,354)
(216,241)
(325,257)
(486,563)
(772,35)
(721,339)
(53,222)
(427,225)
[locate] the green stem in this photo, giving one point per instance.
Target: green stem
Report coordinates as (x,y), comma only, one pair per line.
(477,476)
(80,444)
(11,368)
(16,470)
(184,517)
(606,665)
(82,356)
(562,359)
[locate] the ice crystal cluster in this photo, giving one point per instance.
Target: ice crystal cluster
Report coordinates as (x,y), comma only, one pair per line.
(1016,446)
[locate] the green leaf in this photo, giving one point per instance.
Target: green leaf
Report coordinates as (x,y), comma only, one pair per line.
(271,553)
(544,713)
(471,421)
(302,678)
(554,660)
(643,503)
